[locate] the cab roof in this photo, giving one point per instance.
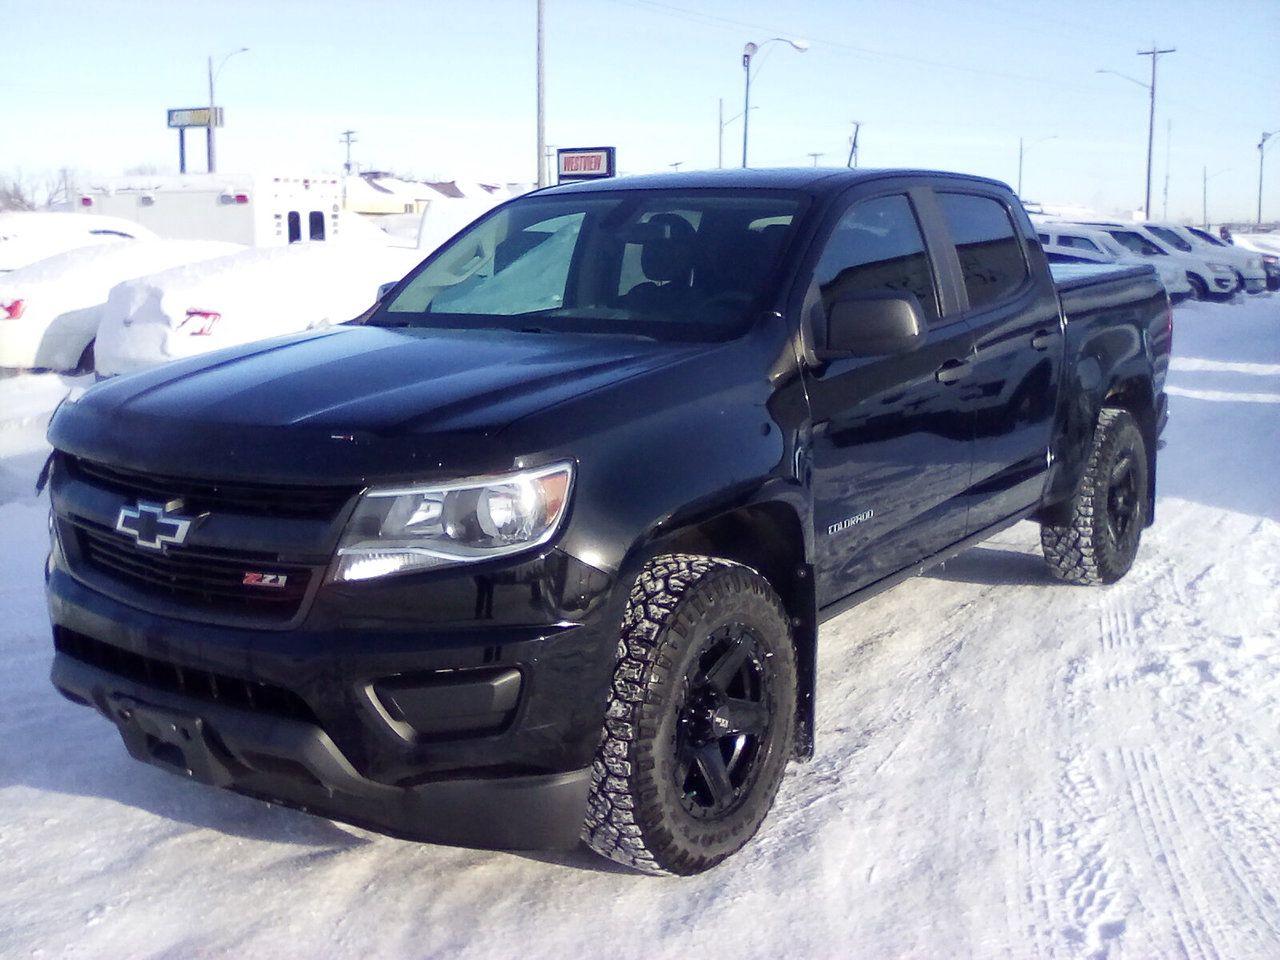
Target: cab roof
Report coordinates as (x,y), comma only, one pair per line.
(816,180)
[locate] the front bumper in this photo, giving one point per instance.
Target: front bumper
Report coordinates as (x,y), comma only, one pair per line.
(298,765)
(408,728)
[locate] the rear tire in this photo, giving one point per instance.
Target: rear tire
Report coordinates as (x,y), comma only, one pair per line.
(700,720)
(1100,539)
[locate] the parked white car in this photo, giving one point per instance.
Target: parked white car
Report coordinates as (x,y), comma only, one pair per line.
(49,311)
(249,296)
(1066,243)
(1248,265)
(1265,245)
(1209,277)
(28,237)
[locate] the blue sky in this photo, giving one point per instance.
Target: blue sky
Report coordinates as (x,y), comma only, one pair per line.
(443,88)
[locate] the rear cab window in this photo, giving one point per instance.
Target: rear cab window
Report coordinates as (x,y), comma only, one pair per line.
(992,260)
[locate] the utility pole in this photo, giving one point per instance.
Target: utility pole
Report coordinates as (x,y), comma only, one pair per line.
(1261,147)
(853,145)
(542,128)
(1168,147)
(1154,53)
(676,166)
(211,162)
(1020,152)
(720,137)
(348,137)
(1205,177)
(815,157)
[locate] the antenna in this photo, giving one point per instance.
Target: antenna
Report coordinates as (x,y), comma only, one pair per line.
(853,144)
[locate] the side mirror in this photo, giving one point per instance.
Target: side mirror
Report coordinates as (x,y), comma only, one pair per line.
(873,324)
(386,288)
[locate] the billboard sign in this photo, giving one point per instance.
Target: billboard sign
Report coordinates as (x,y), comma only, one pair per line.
(195,117)
(585,163)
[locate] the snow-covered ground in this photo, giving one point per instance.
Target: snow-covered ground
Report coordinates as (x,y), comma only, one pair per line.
(1006,767)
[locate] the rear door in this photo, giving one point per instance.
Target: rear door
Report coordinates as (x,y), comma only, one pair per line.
(1011,390)
(889,453)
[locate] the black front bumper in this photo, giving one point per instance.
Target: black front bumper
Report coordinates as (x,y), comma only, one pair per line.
(475,734)
(298,765)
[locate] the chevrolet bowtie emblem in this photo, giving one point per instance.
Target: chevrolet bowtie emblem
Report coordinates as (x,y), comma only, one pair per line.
(152,526)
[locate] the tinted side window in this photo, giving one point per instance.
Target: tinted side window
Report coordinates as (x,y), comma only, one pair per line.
(315,225)
(295,226)
(990,252)
(877,245)
(1083,243)
(1171,238)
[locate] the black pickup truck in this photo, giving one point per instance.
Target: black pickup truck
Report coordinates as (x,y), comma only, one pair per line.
(537,549)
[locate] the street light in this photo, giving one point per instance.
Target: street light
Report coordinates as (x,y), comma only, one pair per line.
(1261,146)
(749,51)
(1022,150)
(213,75)
(1155,54)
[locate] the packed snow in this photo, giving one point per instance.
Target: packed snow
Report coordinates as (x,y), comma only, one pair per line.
(1006,767)
(28,236)
(249,295)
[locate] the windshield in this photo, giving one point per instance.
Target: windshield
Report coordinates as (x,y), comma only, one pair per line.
(1171,238)
(1208,238)
(680,265)
(1137,243)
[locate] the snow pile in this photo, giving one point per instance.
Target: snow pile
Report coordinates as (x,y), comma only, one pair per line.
(1006,767)
(29,236)
(63,295)
(247,296)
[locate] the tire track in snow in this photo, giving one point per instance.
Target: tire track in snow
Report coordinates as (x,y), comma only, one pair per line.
(1157,826)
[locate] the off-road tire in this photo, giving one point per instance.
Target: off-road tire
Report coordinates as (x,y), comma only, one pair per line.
(636,814)
(1085,549)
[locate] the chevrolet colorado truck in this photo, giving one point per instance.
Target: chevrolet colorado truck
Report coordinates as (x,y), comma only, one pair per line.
(537,549)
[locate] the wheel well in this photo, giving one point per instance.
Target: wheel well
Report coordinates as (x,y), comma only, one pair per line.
(769,538)
(1135,396)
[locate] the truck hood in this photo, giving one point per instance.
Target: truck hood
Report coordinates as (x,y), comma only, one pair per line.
(353,400)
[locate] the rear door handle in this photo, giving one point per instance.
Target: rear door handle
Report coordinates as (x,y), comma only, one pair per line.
(1042,339)
(952,371)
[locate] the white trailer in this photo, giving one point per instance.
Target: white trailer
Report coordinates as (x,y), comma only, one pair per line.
(256,210)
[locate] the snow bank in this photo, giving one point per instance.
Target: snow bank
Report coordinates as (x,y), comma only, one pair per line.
(1006,767)
(248,296)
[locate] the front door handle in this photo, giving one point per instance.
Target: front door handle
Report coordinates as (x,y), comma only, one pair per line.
(1043,339)
(952,371)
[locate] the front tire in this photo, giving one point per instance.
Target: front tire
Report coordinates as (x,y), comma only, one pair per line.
(1199,289)
(700,721)
(1099,540)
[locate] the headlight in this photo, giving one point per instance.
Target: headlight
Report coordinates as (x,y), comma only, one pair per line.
(1269,259)
(399,529)
(1218,266)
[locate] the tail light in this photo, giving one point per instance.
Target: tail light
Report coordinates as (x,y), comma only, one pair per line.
(202,322)
(230,198)
(86,201)
(12,310)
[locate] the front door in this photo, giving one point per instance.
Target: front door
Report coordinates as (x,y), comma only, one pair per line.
(889,453)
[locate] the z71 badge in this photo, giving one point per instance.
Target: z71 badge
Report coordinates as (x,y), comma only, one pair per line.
(265,579)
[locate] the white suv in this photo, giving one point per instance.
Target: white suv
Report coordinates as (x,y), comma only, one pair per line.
(1070,243)
(1209,277)
(1247,265)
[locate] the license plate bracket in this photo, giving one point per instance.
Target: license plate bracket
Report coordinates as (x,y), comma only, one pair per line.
(171,739)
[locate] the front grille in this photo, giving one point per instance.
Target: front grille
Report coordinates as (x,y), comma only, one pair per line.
(200,496)
(200,684)
(201,578)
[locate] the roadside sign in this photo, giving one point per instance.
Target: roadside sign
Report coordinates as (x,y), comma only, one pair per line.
(194,117)
(585,163)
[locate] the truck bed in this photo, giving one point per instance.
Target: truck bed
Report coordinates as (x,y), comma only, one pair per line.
(1074,276)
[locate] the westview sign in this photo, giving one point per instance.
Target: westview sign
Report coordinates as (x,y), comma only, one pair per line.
(585,163)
